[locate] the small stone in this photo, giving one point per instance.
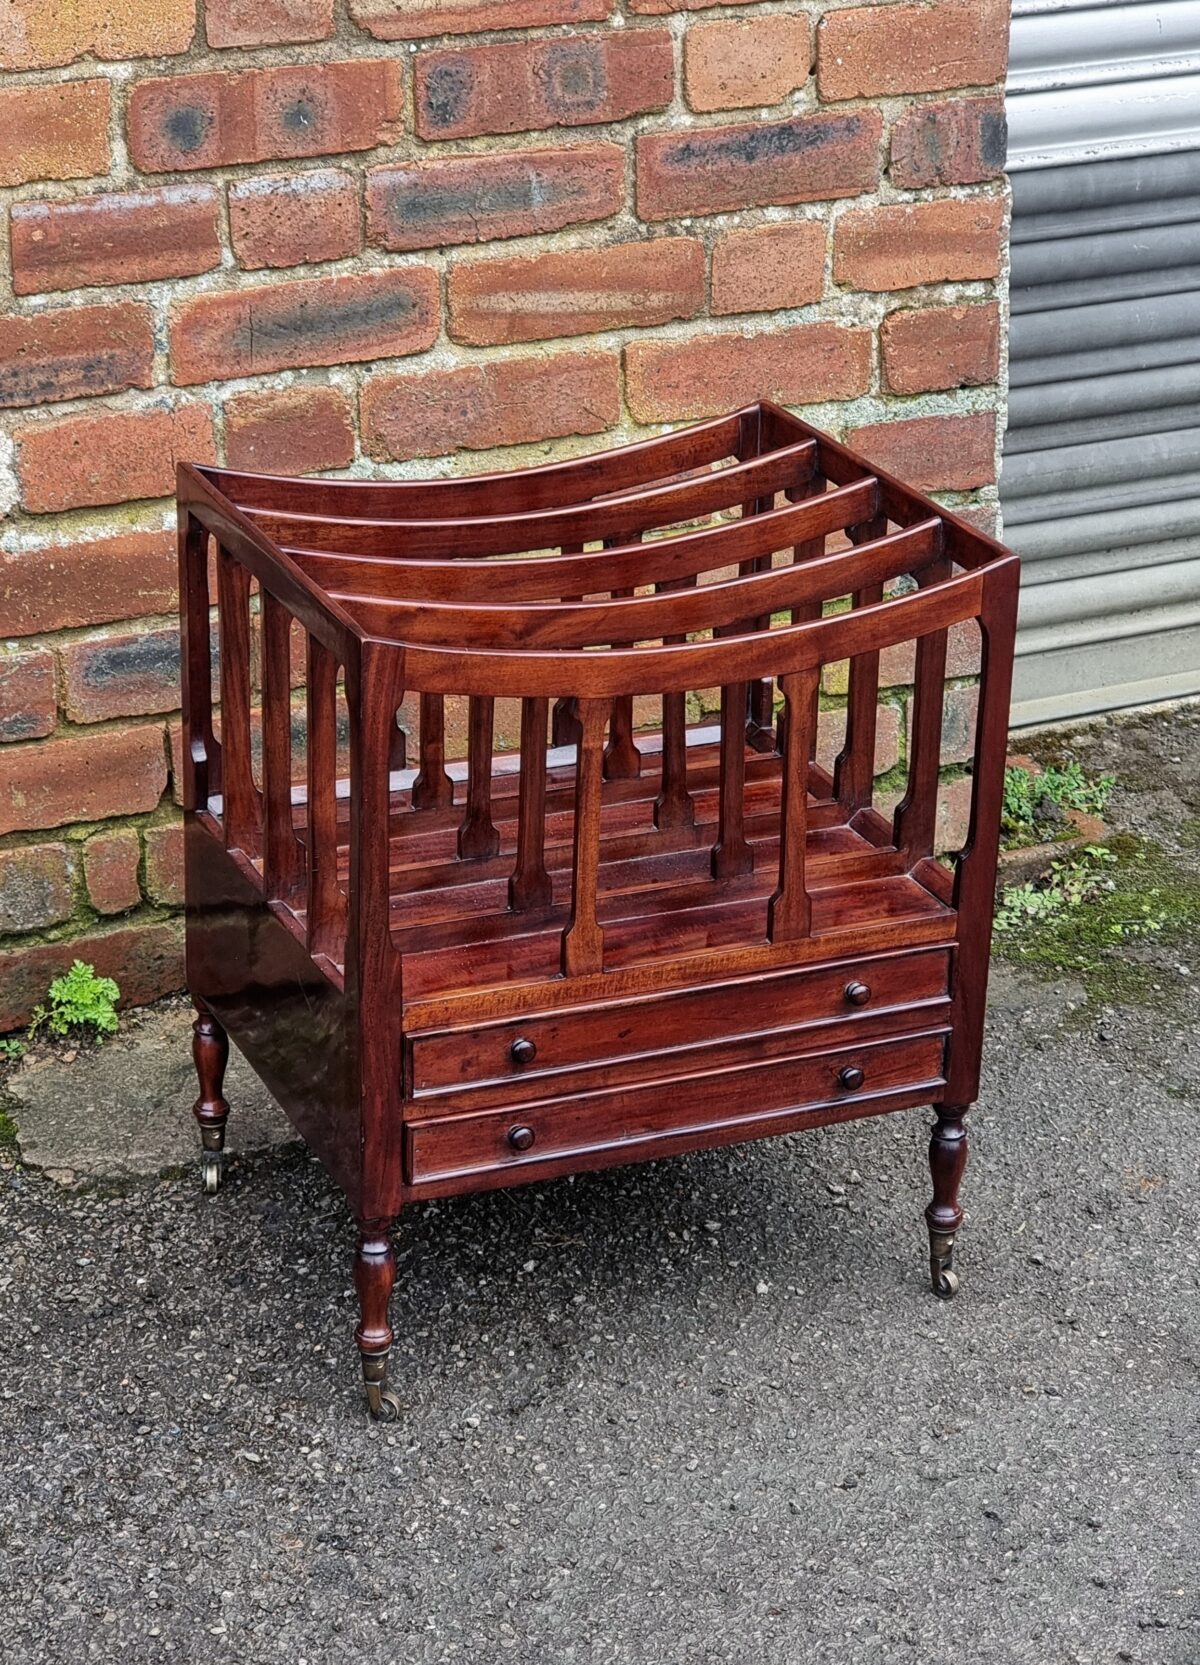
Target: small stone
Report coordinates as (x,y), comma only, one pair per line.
(762,1287)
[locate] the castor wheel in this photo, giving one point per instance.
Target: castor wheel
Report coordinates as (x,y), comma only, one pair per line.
(941,1262)
(945,1285)
(382,1403)
(212,1173)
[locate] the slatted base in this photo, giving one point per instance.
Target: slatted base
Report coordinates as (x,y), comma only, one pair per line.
(657,901)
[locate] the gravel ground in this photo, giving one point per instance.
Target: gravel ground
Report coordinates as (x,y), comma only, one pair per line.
(705,1410)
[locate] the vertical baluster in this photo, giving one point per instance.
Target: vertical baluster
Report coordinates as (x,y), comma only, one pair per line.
(583,940)
(789,912)
(530,886)
(673,807)
(241,807)
(477,836)
(399,757)
(916,814)
(283,856)
(433,788)
(731,854)
(326,900)
(854,770)
(810,549)
(760,715)
(565,728)
(622,760)
(201,754)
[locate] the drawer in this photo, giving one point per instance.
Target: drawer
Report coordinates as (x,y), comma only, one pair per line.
(747,1101)
(576,1037)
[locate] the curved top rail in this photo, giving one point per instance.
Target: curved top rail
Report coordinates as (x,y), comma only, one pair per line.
(589,674)
(585,572)
(620,468)
(645,618)
(788,469)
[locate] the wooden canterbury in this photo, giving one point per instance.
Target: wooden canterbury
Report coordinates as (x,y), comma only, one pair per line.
(614,941)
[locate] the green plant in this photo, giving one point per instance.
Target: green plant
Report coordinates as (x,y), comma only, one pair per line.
(11,1049)
(78,1000)
(1068,884)
(1033,804)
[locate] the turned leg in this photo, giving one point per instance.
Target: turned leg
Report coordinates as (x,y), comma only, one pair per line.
(210,1050)
(947,1159)
(374,1275)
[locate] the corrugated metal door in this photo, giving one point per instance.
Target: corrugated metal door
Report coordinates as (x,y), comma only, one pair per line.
(1101,482)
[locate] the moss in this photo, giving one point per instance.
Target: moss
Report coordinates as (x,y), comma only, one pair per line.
(8,1132)
(1118,944)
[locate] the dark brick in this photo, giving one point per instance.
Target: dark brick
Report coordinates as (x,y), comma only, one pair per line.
(333,320)
(74,353)
(962,141)
(27,697)
(474,199)
(120,676)
(519,86)
(37,887)
(710,169)
(164,863)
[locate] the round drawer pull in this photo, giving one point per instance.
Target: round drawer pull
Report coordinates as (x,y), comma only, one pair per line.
(521,1138)
(857,994)
(522,1051)
(851,1077)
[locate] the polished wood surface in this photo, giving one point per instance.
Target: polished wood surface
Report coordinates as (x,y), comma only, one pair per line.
(624,902)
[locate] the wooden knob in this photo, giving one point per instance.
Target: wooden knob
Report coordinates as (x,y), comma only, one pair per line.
(521,1138)
(522,1051)
(857,994)
(851,1077)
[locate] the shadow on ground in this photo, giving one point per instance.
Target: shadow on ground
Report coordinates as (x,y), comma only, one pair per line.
(704,1410)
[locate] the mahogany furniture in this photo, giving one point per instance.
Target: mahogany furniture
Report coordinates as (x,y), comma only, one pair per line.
(629,930)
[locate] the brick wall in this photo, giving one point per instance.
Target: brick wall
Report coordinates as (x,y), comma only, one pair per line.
(399,236)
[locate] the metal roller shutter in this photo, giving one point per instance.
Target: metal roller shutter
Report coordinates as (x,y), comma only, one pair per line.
(1101,481)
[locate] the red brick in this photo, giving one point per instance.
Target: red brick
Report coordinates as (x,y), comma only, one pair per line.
(576,291)
(668,380)
(899,246)
(266,22)
(475,199)
(63,586)
(246,332)
(294,219)
(935,347)
(110,865)
(58,132)
(953,815)
(164,863)
(959,712)
(298,430)
(40,34)
(86,778)
(37,887)
(746,62)
(120,676)
(962,141)
(120,237)
(806,159)
(111,457)
(145,961)
(663,8)
(262,115)
(74,352)
(415,19)
(933,453)
(767,268)
(27,696)
(566,81)
(873,51)
(503,402)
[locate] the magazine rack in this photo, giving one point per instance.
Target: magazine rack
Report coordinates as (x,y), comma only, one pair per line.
(636,930)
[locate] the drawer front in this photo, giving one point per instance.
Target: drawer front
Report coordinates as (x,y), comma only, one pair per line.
(592,1129)
(528,1049)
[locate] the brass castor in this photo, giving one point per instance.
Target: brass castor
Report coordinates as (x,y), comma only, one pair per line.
(941,1262)
(212,1172)
(381,1401)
